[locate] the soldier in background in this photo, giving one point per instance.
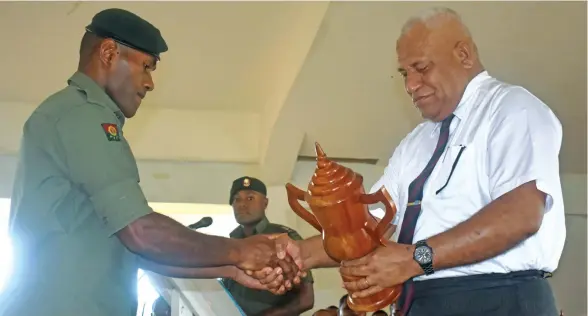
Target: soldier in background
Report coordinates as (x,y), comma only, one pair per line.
(249,201)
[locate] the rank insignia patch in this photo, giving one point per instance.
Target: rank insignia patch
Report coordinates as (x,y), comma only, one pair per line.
(111,131)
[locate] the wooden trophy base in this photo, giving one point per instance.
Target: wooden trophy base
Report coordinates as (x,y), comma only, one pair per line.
(372,303)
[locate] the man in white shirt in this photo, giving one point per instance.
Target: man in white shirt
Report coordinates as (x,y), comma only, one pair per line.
(480,209)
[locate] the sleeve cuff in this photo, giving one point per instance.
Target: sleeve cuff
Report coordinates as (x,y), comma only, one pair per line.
(542,186)
(120,204)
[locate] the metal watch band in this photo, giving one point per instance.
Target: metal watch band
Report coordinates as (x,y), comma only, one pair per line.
(428,267)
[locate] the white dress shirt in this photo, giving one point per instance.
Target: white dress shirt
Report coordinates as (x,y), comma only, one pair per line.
(509,137)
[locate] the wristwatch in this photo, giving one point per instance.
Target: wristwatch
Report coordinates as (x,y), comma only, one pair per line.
(423,255)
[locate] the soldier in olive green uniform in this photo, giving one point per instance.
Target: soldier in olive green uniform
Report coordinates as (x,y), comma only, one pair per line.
(249,201)
(80,223)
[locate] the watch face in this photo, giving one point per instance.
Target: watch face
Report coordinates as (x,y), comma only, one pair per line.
(423,255)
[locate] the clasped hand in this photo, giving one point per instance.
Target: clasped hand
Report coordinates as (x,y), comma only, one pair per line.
(268,266)
(385,267)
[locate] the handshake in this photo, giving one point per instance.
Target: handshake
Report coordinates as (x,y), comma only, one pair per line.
(269,262)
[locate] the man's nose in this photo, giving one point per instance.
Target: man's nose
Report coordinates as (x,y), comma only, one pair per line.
(412,82)
(149,84)
(240,205)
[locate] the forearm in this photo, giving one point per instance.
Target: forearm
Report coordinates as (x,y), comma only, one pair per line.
(313,254)
(160,239)
(188,273)
(498,227)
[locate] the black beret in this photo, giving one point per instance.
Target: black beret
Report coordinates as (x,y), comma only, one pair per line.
(247,183)
(128,29)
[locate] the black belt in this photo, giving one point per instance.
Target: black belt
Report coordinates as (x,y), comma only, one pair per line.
(443,286)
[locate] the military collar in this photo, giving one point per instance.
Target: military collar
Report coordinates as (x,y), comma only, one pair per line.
(94,93)
(261,226)
(259,229)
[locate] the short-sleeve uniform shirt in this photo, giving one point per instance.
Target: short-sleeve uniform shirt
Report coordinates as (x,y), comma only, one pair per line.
(76,185)
(251,301)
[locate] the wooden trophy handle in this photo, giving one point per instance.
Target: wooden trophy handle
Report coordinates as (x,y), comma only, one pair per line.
(295,195)
(383,196)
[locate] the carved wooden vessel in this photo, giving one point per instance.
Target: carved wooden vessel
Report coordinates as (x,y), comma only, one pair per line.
(339,211)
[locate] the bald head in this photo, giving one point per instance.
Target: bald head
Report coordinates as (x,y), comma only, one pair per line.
(437,57)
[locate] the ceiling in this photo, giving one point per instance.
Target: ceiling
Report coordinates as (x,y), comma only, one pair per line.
(309,70)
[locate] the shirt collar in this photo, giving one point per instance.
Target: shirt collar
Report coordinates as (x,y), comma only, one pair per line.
(463,108)
(94,93)
(259,229)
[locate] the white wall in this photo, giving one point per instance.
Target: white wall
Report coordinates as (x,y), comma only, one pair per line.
(167,130)
(210,183)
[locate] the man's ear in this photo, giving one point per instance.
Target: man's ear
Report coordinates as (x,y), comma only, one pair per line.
(266,202)
(108,52)
(464,54)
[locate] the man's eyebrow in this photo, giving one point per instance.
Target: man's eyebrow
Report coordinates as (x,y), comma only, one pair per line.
(413,65)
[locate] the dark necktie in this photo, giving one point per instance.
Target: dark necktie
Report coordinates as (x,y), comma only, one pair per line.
(413,208)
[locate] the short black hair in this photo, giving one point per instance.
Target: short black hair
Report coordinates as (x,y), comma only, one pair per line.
(88,42)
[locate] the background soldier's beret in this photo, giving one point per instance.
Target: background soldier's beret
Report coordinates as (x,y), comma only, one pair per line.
(247,183)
